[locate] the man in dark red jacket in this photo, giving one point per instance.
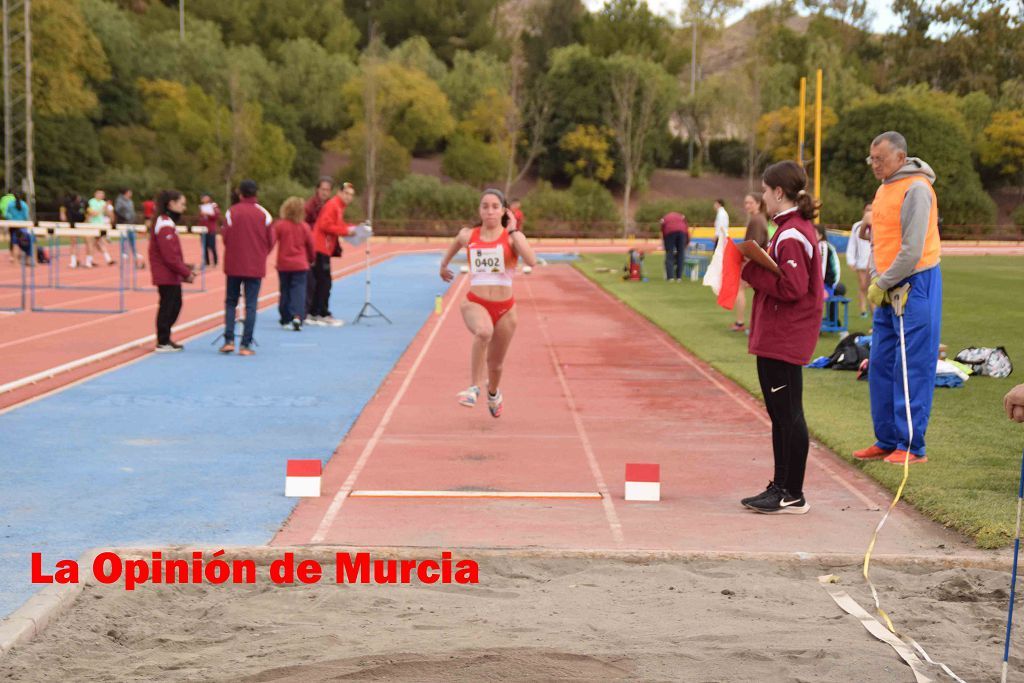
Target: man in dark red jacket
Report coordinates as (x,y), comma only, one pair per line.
(330,225)
(248,240)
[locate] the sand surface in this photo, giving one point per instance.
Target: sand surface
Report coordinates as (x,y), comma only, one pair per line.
(531,619)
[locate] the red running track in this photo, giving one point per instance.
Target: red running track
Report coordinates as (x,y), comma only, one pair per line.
(589,386)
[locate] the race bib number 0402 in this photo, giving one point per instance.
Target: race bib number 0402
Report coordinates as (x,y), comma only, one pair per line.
(488,260)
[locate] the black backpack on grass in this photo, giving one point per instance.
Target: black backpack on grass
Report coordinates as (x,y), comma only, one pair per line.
(848,354)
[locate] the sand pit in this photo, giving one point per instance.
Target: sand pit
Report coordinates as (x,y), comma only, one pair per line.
(530,619)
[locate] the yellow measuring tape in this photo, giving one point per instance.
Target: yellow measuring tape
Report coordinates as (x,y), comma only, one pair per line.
(898,297)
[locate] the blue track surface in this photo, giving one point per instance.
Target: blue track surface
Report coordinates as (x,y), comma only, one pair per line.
(190,448)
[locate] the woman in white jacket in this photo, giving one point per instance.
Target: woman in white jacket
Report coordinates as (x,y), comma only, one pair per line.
(858,256)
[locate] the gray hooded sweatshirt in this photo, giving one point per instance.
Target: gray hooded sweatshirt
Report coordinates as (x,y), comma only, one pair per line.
(917,206)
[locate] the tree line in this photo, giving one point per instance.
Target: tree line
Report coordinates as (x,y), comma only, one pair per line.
(507,88)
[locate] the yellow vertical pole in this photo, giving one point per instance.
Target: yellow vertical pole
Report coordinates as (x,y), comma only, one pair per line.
(817,139)
(803,119)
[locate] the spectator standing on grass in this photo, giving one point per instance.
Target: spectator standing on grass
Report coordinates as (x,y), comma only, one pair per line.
(295,253)
(905,251)
(784,326)
(675,235)
(858,257)
(248,240)
(330,225)
(168,266)
(124,215)
(209,216)
(757,230)
(721,221)
(314,205)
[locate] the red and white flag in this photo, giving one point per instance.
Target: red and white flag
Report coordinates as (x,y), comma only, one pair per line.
(723,275)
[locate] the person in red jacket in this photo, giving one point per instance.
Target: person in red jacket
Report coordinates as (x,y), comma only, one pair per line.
(330,225)
(784,326)
(294,254)
(248,240)
(168,266)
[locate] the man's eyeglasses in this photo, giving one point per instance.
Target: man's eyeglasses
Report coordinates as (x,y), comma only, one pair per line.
(873,161)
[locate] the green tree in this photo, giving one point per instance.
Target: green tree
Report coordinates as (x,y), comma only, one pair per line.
(270,23)
(629,26)
(65,63)
(937,137)
(121,43)
(478,151)
(71,149)
(471,74)
(578,82)
(1002,146)
(413,110)
(392,157)
(471,160)
(640,99)
(448,25)
(415,53)
(558,25)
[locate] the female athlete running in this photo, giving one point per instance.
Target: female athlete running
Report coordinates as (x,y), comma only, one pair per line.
(492,248)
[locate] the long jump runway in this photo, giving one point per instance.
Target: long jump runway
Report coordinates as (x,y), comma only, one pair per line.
(589,386)
(190,448)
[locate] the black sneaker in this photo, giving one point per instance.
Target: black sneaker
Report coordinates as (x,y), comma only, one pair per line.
(296,324)
(769,490)
(779,502)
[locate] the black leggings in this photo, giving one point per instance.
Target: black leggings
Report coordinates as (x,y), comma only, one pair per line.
(167,313)
(782,386)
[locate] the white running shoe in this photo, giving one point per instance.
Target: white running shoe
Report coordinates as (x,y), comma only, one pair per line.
(314,320)
(331,321)
(468,397)
(494,404)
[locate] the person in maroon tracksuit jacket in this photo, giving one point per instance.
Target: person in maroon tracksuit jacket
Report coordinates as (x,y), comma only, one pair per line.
(248,240)
(784,326)
(294,255)
(167,266)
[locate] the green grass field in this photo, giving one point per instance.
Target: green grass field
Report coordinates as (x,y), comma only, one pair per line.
(974,452)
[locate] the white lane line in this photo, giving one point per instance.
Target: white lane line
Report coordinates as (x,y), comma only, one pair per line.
(745,401)
(606,500)
(569,495)
(346,488)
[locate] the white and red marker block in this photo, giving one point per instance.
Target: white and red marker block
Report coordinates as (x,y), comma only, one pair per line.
(643,481)
(302,479)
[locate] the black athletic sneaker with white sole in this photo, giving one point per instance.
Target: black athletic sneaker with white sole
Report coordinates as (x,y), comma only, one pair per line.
(769,490)
(779,502)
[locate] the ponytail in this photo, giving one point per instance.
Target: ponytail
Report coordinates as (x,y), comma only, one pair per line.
(792,180)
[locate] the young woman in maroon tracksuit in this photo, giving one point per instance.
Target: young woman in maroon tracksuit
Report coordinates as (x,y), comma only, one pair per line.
(168,266)
(784,327)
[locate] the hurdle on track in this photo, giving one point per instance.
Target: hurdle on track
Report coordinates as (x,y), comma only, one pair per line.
(55,230)
(51,232)
(80,230)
